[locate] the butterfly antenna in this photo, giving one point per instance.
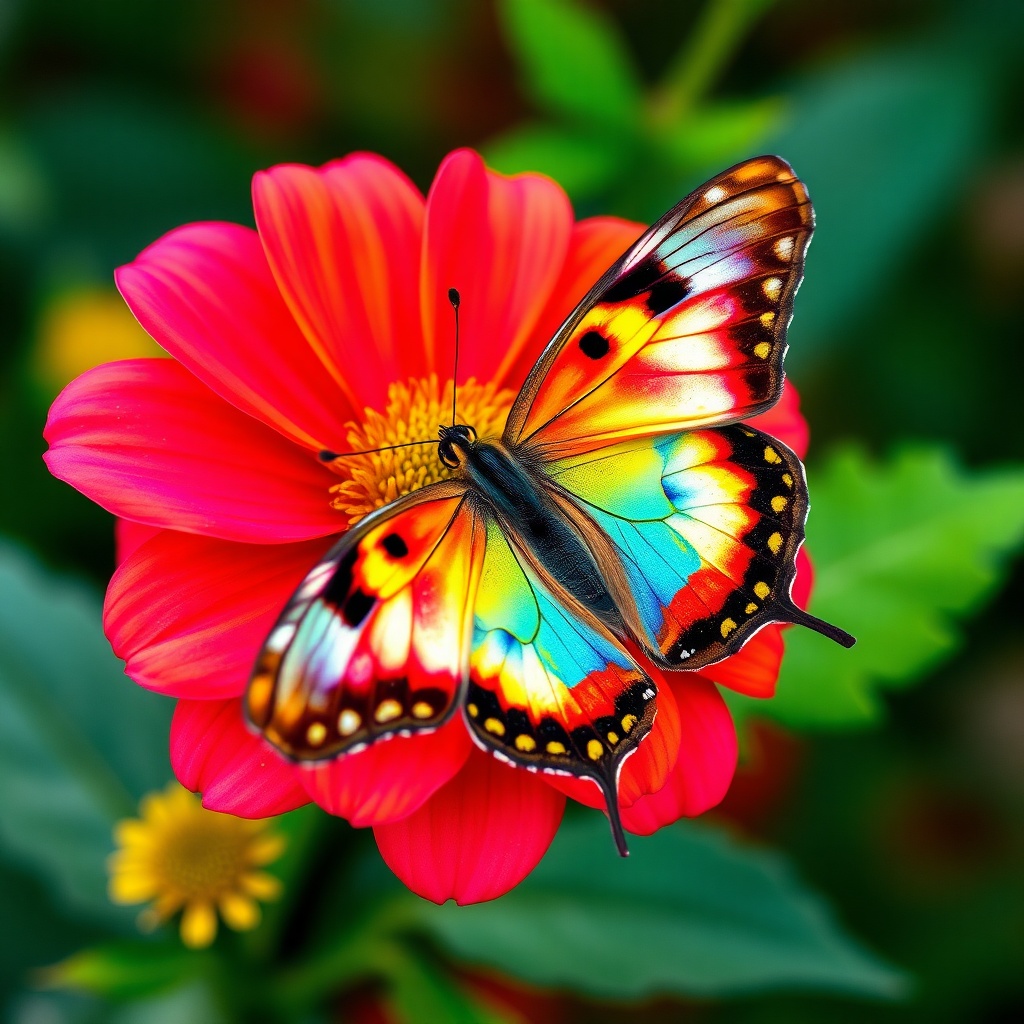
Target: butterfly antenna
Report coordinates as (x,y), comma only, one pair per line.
(326,455)
(456,300)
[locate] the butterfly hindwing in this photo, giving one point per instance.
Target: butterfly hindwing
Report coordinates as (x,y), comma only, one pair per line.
(705,525)
(375,639)
(687,329)
(550,687)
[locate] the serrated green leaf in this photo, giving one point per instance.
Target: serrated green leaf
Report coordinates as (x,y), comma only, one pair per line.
(582,164)
(79,742)
(901,549)
(691,912)
(574,61)
(124,970)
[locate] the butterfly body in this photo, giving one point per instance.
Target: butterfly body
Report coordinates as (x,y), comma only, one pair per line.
(624,518)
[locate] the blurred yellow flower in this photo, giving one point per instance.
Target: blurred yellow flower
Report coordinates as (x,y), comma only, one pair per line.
(82,328)
(181,856)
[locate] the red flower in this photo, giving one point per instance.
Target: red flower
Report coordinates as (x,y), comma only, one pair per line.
(331,324)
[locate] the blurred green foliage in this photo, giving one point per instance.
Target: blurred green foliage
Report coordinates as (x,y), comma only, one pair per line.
(122,120)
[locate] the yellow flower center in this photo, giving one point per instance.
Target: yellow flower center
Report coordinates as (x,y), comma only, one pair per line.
(203,857)
(414,411)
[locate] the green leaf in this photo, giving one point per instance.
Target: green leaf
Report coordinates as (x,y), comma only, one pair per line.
(574,61)
(582,164)
(691,912)
(124,970)
(79,742)
(715,137)
(900,550)
(883,142)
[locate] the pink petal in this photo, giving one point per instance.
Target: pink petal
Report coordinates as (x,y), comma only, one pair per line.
(214,753)
(475,838)
(594,245)
(785,421)
(189,614)
(803,584)
(206,294)
(643,771)
(502,243)
(129,537)
(390,779)
(706,763)
(149,442)
(344,244)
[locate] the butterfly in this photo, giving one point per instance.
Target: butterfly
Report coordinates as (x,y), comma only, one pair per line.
(625,513)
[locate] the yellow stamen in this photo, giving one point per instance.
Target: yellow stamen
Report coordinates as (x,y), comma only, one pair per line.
(414,411)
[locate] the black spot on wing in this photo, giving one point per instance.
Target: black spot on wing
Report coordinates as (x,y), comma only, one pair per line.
(642,278)
(395,546)
(357,607)
(594,345)
(340,583)
(666,294)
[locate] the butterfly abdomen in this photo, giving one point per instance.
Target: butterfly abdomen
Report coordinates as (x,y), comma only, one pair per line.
(533,520)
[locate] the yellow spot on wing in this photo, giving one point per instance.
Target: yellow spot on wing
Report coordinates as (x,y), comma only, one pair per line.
(728,625)
(554,747)
(762,590)
(628,721)
(473,710)
(316,734)
(751,608)
(778,503)
(787,479)
(768,318)
(775,543)
(525,743)
(421,709)
(761,349)
(772,286)
(349,721)
(595,748)
(387,711)
(495,725)
(771,455)
(613,738)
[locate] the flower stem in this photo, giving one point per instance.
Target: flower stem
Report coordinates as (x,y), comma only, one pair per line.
(719,30)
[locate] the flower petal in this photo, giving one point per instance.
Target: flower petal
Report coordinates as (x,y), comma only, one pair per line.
(754,669)
(785,421)
(213,752)
(344,244)
(594,245)
(391,779)
(149,442)
(189,614)
(198,924)
(475,838)
(129,537)
(502,243)
(706,763)
(239,912)
(206,294)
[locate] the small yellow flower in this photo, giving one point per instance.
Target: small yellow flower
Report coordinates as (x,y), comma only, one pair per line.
(183,857)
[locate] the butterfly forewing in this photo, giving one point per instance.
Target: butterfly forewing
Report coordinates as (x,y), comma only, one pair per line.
(375,640)
(686,330)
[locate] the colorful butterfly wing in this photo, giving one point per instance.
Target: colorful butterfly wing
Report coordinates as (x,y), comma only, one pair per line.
(686,330)
(697,533)
(376,638)
(550,687)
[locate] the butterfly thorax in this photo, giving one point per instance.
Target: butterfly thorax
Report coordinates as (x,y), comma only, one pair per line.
(529,515)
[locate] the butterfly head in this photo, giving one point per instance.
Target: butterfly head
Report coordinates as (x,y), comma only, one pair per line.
(453,440)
